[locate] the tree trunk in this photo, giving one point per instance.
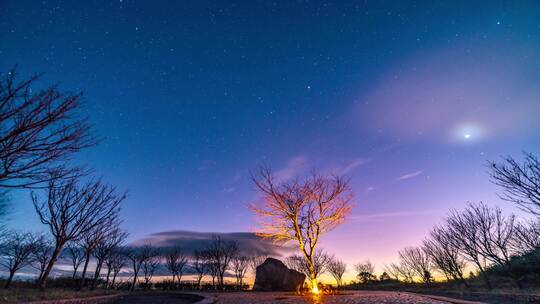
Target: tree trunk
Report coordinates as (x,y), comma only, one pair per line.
(83,275)
(42,283)
(108,275)
(134,281)
(97,273)
(8,282)
(114,279)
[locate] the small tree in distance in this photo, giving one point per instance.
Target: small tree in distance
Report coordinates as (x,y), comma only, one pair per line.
(337,268)
(301,210)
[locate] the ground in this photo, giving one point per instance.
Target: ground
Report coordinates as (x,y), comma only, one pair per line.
(360,297)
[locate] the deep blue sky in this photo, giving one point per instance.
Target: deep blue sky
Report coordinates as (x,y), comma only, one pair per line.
(408,98)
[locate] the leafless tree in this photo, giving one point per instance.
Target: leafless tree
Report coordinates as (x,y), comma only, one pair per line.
(176,261)
(365,271)
(70,210)
(320,260)
(497,232)
(337,268)
(393,271)
(301,210)
(16,252)
(150,265)
(42,255)
(257,260)
(220,254)
(137,256)
(199,264)
(465,235)
(240,265)
(115,262)
(112,240)
(520,182)
(526,237)
(40,130)
(76,255)
(416,259)
(444,255)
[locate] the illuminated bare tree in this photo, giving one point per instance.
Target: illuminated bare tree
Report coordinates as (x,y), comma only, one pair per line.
(40,130)
(16,252)
(416,259)
(70,210)
(176,261)
(520,182)
(365,271)
(301,210)
(337,268)
(240,265)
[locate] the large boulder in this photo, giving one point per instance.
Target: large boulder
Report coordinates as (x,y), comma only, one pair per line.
(273,275)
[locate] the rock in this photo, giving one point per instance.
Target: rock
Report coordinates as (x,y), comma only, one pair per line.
(273,275)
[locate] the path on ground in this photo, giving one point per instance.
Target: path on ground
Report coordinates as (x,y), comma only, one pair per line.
(354,297)
(158,299)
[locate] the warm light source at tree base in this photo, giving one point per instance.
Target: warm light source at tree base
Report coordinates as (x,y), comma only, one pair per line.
(314,287)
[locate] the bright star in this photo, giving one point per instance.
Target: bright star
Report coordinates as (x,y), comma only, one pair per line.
(467,136)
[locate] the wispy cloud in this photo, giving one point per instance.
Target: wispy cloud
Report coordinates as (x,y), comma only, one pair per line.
(350,166)
(398,214)
(294,167)
(411,175)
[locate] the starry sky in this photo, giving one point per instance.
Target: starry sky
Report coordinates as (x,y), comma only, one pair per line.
(408,99)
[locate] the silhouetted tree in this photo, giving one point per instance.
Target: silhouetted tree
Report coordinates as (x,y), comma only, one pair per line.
(115,262)
(526,237)
(337,268)
(444,255)
(365,271)
(16,252)
(240,265)
(416,259)
(70,210)
(114,238)
(176,261)
(150,265)
(137,256)
(256,260)
(220,254)
(465,235)
(320,260)
(42,255)
(520,182)
(301,210)
(393,271)
(199,265)
(75,254)
(40,131)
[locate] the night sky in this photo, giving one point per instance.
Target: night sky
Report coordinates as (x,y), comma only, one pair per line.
(409,99)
